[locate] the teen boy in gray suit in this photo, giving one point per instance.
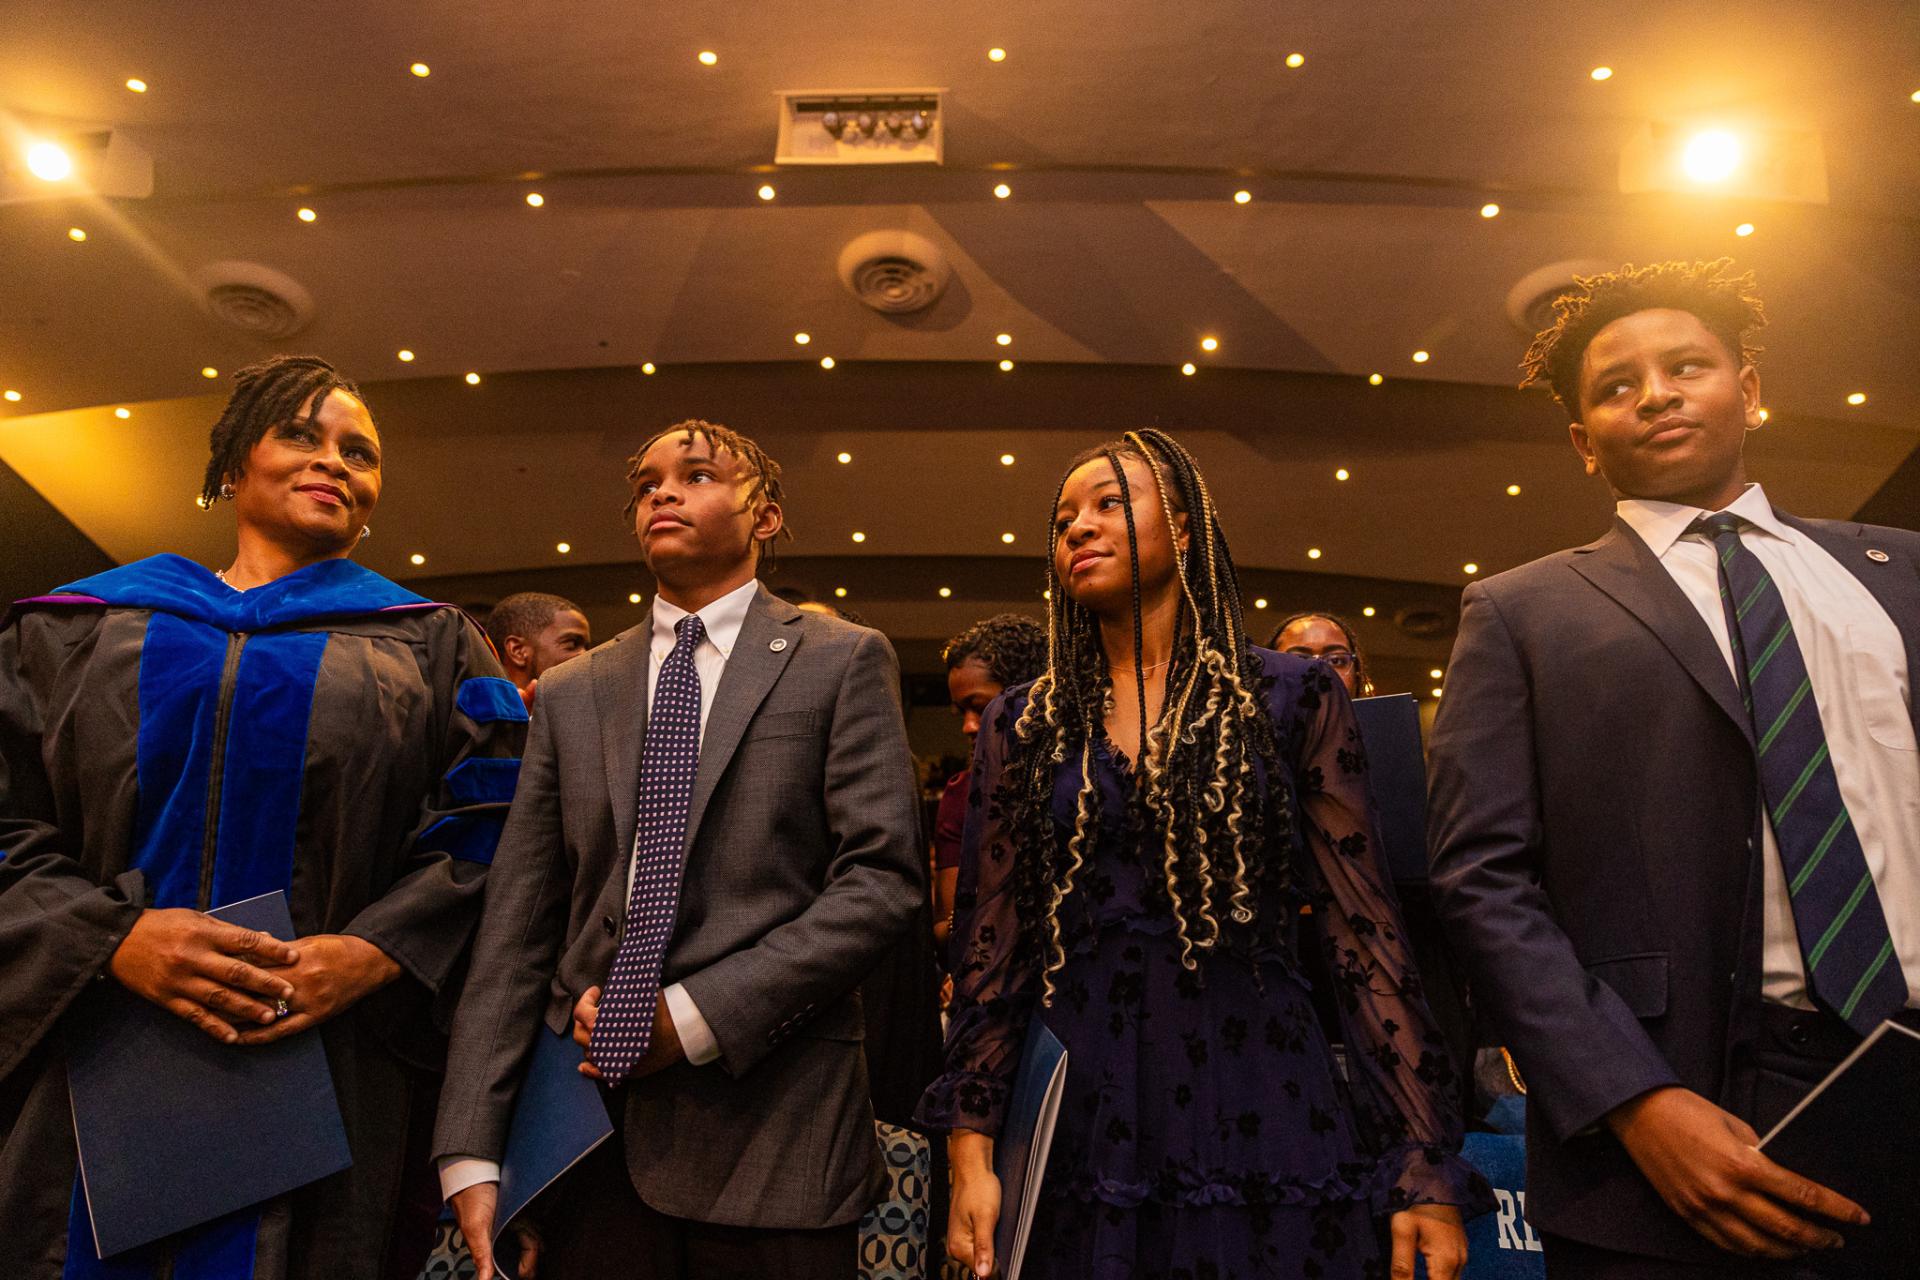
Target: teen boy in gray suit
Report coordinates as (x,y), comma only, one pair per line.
(713,841)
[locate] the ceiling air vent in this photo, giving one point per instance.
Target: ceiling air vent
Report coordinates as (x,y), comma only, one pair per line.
(255,300)
(1530,302)
(895,272)
(1423,623)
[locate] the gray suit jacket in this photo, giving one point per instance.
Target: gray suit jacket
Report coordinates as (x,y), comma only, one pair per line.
(803,866)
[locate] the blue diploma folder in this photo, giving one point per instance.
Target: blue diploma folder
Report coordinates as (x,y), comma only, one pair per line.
(1026,1135)
(558,1119)
(176,1129)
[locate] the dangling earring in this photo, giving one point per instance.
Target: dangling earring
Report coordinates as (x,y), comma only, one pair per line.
(226,492)
(366,531)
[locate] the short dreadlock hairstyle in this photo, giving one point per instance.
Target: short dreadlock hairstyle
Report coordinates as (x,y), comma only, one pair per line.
(1012,647)
(1725,304)
(264,396)
(765,471)
(1362,680)
(1224,839)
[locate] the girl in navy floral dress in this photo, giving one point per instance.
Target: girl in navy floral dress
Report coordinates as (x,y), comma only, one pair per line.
(1147,822)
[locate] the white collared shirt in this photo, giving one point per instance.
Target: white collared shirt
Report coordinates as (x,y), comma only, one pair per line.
(1858,665)
(722,619)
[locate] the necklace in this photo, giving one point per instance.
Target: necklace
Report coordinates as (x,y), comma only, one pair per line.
(1106,696)
(222,575)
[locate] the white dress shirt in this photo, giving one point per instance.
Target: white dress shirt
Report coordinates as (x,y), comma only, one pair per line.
(722,619)
(1858,665)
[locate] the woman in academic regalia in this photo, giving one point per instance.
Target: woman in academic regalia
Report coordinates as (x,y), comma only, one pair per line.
(173,740)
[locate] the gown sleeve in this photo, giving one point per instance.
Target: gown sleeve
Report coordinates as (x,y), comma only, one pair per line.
(993,996)
(59,926)
(426,919)
(1401,1077)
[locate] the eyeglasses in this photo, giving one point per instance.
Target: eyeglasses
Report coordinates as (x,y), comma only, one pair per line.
(1338,659)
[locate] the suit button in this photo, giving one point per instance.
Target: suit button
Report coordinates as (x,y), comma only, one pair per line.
(1800,1034)
(608,926)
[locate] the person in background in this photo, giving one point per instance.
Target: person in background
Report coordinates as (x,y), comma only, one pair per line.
(1330,638)
(532,631)
(1675,817)
(983,661)
(174,739)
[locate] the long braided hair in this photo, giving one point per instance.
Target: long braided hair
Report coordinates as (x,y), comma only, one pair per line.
(1221,838)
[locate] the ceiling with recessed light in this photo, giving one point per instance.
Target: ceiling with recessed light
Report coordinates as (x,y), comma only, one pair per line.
(535,234)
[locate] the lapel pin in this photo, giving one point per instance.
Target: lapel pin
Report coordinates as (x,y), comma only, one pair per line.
(780,643)
(1877,556)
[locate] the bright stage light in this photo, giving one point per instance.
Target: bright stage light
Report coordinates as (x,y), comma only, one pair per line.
(1711,156)
(49,162)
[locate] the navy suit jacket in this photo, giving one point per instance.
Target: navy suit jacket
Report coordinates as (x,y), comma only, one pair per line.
(1595,842)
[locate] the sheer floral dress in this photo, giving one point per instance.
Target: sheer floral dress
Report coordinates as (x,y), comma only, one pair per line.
(1206,1132)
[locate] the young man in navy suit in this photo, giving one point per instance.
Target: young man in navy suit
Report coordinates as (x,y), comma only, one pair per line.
(1676,803)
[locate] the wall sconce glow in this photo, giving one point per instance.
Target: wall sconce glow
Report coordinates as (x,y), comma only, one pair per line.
(1209,344)
(633,597)
(946,592)
(1313,553)
(1296,60)
(802,339)
(1006,459)
(826,362)
(1002,191)
(1343,474)
(1489,210)
(416,558)
(996,55)
(209,372)
(1421,357)
(858,536)
(49,162)
(136,85)
(1710,156)
(1469,568)
(123,414)
(648,368)
(405,356)
(1004,339)
(77,234)
(1743,230)
(843,458)
(1857,398)
(708,57)
(766,191)
(1006,537)
(535,199)
(1188,368)
(306,215)
(1601,73)
(1006,366)
(473,379)
(563,547)
(1374,379)
(1243,197)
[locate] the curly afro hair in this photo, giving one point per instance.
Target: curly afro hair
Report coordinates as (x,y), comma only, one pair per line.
(1012,646)
(1724,303)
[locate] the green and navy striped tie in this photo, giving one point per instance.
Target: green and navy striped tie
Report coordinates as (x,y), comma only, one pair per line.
(1851,967)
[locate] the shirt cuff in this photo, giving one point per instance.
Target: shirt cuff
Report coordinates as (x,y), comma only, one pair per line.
(696,1037)
(457,1173)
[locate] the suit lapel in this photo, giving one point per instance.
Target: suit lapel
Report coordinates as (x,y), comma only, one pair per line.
(620,704)
(1623,567)
(751,670)
(1894,581)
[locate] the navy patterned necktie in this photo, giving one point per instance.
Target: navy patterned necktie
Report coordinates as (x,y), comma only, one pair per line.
(1843,932)
(669,759)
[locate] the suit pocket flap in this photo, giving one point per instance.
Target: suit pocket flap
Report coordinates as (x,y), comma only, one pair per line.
(1640,982)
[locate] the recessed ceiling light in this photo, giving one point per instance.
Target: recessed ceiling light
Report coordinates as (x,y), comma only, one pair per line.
(1261,603)
(1435,674)
(945,592)
(1047,594)
(535,199)
(136,85)
(1006,459)
(1243,197)
(633,597)
(1744,229)
(1313,553)
(473,379)
(826,362)
(1469,568)
(1858,397)
(1209,344)
(1513,491)
(49,162)
(209,372)
(1006,366)
(1368,612)
(1601,73)
(1006,537)
(1296,60)
(1421,357)
(1004,339)
(1001,191)
(306,215)
(417,558)
(123,414)
(405,356)
(708,57)
(1374,379)
(766,191)
(1188,368)
(10,396)
(803,338)
(563,547)
(858,536)
(421,69)
(1710,155)
(77,234)
(996,55)
(1436,693)
(1914,96)
(840,592)
(1343,474)
(648,368)
(1489,210)
(1764,415)
(843,458)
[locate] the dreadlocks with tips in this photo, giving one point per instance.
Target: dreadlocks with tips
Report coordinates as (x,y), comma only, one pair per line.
(264,396)
(1224,839)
